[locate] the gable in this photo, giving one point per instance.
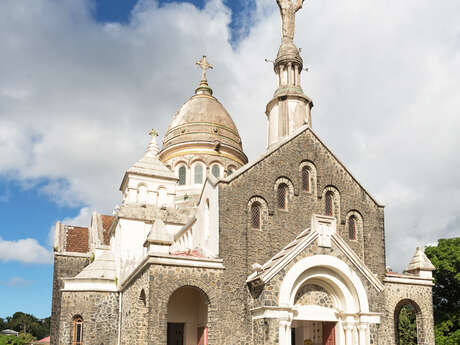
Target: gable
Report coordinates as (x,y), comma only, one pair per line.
(322,234)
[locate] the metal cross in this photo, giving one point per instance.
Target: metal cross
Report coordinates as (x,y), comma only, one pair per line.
(204,65)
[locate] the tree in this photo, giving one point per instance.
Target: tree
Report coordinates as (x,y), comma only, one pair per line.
(407,325)
(22,322)
(446,291)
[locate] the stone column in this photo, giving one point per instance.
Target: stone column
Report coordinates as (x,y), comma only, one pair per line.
(282,80)
(348,328)
(362,333)
(285,332)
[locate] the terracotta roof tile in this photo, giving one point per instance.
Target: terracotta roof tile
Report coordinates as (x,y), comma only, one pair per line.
(106,224)
(77,239)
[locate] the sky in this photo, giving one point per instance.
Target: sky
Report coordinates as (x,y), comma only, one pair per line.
(82,82)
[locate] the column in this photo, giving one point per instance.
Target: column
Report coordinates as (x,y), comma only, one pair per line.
(362,333)
(289,74)
(348,328)
(285,332)
(282,75)
(296,75)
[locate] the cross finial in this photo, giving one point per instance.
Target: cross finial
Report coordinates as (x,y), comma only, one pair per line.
(153,149)
(153,133)
(204,65)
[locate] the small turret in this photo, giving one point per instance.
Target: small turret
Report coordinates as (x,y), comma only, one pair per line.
(420,265)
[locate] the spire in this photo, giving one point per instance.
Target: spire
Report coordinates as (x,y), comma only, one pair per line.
(290,107)
(204,88)
(152,148)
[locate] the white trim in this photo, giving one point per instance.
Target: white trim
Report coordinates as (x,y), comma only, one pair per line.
(270,312)
(186,261)
(89,284)
(409,280)
(342,272)
(74,254)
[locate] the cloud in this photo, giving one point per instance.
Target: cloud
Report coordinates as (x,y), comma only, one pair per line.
(77,97)
(27,251)
(16,281)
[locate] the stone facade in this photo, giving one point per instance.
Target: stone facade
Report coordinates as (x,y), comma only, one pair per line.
(99,312)
(64,266)
(420,297)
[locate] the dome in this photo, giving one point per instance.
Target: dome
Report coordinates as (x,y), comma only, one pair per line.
(202,119)
(202,126)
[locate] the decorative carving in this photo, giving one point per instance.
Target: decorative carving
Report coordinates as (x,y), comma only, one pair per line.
(288,9)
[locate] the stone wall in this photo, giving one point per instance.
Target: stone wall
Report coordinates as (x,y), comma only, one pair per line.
(134,312)
(164,280)
(65,266)
(419,296)
(241,246)
(99,311)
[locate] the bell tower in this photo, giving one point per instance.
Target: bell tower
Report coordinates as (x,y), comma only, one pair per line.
(289,108)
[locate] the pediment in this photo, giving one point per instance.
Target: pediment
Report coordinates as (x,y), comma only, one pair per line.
(323,233)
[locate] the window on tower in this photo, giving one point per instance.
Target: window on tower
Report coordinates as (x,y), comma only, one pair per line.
(198,172)
(215,170)
(182,175)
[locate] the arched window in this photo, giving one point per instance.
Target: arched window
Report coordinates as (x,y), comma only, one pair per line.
(198,172)
(215,170)
(143,298)
(329,203)
(282,196)
(352,227)
(182,175)
(255,215)
(306,179)
(77,334)
(230,170)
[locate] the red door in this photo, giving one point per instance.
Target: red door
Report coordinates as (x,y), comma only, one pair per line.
(202,336)
(328,333)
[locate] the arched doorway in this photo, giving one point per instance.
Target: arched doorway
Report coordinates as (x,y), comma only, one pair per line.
(188,317)
(325,300)
(407,322)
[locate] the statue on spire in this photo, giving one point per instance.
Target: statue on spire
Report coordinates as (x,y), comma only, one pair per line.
(288,9)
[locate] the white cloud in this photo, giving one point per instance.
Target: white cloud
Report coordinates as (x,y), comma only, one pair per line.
(25,250)
(16,281)
(77,97)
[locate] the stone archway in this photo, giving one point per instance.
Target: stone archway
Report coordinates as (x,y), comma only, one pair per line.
(338,319)
(187,317)
(409,305)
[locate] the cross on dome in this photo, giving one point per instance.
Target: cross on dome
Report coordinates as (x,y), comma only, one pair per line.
(204,65)
(153,133)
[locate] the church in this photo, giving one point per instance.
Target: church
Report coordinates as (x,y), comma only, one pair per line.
(207,248)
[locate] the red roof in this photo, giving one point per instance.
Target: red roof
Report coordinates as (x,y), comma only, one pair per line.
(44,340)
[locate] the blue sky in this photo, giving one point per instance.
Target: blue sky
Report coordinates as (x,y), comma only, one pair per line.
(82,82)
(27,211)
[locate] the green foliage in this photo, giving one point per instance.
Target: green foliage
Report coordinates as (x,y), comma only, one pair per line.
(21,339)
(446,292)
(407,326)
(20,322)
